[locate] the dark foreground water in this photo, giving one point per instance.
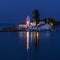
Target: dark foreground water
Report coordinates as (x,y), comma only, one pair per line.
(29,45)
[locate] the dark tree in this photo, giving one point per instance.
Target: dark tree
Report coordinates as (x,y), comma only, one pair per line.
(36,16)
(48,20)
(45,20)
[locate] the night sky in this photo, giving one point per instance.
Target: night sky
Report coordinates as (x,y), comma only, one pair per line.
(15,11)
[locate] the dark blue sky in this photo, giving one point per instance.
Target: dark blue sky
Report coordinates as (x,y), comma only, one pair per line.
(15,11)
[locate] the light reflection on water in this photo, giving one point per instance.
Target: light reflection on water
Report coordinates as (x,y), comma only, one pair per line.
(33,42)
(27,41)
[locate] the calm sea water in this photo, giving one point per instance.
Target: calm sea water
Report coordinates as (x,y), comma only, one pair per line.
(29,45)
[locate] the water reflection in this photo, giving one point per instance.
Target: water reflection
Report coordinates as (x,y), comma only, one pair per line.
(46,35)
(27,41)
(30,37)
(36,37)
(32,42)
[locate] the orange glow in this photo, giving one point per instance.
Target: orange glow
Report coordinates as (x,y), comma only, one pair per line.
(51,24)
(38,24)
(33,24)
(37,37)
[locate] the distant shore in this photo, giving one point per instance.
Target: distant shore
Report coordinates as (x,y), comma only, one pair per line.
(19,30)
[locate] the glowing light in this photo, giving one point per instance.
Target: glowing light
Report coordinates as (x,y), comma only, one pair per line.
(28,21)
(27,41)
(37,37)
(38,24)
(22,26)
(33,24)
(51,24)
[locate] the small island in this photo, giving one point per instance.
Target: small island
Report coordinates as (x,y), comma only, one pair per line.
(47,24)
